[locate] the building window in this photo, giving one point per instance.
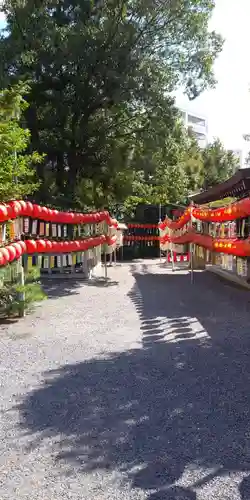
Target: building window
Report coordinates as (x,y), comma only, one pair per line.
(196,120)
(199,136)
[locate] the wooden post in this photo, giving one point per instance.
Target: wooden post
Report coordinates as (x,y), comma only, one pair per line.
(105,266)
(21,297)
(85,264)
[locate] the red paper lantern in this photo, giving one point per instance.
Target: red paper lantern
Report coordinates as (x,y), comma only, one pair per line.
(3,260)
(31,246)
(57,246)
(70,246)
(12,252)
(49,213)
(16,207)
(36,212)
(79,218)
(49,246)
(77,246)
(246,205)
(30,209)
(3,213)
(85,245)
(6,254)
(60,246)
(86,219)
(54,215)
(10,213)
(23,206)
(247,248)
(23,246)
(41,246)
(73,218)
(44,214)
(67,218)
(61,218)
(65,246)
(18,249)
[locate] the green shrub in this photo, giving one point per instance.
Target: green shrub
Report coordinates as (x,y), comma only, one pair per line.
(12,293)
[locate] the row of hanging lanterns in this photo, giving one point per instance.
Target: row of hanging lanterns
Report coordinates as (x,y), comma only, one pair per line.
(237,210)
(17,249)
(14,209)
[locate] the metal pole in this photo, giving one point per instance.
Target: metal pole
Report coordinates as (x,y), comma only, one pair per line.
(158,231)
(191,248)
(172,257)
(191,264)
(171,252)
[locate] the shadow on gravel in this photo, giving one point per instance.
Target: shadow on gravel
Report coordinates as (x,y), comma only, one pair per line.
(245,488)
(56,288)
(177,405)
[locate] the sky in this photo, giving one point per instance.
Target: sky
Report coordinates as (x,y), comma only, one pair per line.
(227,107)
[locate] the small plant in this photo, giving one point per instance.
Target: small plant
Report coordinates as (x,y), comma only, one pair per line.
(15,297)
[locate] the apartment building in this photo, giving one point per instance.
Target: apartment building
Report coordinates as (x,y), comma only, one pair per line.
(198,124)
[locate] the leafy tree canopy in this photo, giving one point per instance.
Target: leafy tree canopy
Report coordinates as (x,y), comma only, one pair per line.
(100,73)
(219,164)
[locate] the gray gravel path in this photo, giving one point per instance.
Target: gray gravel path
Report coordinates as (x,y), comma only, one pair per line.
(137,390)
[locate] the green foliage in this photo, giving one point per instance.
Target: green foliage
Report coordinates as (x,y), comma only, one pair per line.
(11,291)
(193,164)
(219,164)
(17,177)
(222,203)
(100,75)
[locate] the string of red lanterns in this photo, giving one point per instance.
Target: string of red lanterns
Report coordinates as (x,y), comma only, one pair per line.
(178,224)
(15,250)
(232,246)
(237,210)
(21,208)
(133,237)
(142,226)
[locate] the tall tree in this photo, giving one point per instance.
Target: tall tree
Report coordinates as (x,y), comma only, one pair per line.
(17,174)
(100,74)
(218,164)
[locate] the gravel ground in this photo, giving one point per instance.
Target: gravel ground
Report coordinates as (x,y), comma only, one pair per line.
(136,390)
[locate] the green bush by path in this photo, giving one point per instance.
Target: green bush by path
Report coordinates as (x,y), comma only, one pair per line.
(12,292)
